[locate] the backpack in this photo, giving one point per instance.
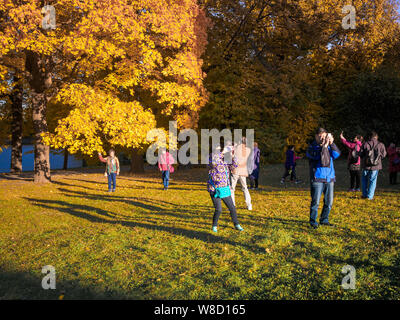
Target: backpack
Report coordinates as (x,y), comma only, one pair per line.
(373,157)
(354,156)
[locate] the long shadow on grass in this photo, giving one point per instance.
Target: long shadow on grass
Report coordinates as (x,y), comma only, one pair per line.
(147,204)
(79,211)
(178,209)
(102,186)
(391,273)
(119,186)
(26,286)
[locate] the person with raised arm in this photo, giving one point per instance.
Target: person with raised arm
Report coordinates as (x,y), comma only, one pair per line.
(112,169)
(353,161)
(218,185)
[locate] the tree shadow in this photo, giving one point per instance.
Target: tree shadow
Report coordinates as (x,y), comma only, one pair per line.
(79,211)
(16,285)
(17,177)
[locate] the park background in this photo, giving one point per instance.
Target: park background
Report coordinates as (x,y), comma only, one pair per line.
(109,71)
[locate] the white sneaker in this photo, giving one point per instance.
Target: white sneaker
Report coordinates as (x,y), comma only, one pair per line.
(250,207)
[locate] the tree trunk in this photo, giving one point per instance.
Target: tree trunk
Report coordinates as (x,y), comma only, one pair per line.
(39,80)
(42,151)
(65,167)
(16,127)
(137,163)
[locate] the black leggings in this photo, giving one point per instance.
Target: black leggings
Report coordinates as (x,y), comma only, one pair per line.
(292,174)
(355,176)
(393,177)
(253,182)
(218,209)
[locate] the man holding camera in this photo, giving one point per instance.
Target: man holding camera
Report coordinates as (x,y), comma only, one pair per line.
(321,154)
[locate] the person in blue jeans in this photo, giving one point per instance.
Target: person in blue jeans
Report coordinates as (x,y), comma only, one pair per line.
(165,162)
(372,152)
(112,169)
(165,178)
(321,154)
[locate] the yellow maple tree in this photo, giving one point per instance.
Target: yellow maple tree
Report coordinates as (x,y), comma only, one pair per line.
(134,63)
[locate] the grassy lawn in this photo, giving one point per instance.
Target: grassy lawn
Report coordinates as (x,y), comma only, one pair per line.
(143,243)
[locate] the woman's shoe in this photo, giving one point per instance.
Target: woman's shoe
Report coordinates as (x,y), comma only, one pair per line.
(215,229)
(238,227)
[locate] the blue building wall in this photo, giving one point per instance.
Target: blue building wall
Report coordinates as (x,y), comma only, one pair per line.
(56,160)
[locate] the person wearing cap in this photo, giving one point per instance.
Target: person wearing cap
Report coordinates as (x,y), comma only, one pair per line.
(321,154)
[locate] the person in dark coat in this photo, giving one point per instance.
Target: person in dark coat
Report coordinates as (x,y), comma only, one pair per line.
(256,169)
(372,152)
(290,165)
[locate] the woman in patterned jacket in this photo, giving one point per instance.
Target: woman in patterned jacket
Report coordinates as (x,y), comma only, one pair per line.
(218,186)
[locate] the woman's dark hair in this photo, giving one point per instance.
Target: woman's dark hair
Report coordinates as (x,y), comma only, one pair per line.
(359,137)
(290,147)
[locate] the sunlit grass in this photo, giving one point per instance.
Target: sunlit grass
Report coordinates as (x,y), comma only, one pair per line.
(144,243)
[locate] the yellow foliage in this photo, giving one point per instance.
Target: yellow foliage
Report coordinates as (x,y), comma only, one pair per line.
(106,56)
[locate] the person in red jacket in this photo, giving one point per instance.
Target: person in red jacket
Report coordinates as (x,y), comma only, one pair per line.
(353,161)
(394,162)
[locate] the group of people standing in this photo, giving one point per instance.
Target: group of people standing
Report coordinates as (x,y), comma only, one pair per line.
(370,172)
(364,163)
(236,163)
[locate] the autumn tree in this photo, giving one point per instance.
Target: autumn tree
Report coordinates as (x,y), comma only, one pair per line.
(12,116)
(150,62)
(121,66)
(276,66)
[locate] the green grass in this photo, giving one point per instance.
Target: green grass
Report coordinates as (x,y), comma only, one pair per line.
(144,243)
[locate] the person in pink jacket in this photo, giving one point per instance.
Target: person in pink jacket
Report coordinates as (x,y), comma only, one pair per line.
(353,161)
(394,162)
(165,162)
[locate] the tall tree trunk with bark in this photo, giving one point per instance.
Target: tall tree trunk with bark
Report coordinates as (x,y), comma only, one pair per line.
(65,166)
(39,80)
(42,151)
(137,163)
(16,127)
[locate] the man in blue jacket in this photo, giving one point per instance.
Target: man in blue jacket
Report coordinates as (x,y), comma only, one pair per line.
(321,153)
